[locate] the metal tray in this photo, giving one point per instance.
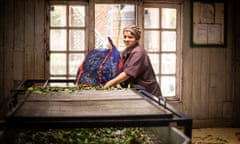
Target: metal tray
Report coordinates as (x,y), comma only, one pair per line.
(90,108)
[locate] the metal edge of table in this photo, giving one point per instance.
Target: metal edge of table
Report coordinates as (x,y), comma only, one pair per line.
(92,122)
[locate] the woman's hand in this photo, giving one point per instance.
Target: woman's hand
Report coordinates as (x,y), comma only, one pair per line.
(108,84)
(117,80)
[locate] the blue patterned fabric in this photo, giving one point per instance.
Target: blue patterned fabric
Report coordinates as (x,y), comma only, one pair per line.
(100,65)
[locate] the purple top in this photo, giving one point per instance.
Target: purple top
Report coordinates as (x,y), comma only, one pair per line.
(138,66)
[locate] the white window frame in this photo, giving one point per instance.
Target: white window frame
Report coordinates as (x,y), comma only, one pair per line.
(140,5)
(68,28)
(178,75)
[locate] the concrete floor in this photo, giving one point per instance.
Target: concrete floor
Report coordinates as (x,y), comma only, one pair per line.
(216,136)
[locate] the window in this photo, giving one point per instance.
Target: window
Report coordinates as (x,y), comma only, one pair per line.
(67,39)
(161,40)
(160,25)
(110,19)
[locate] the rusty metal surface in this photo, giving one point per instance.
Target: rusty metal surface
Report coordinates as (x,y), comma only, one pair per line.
(89,108)
(86,95)
(86,103)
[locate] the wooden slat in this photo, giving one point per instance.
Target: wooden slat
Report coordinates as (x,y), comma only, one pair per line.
(204,91)
(2,50)
(90,41)
(18,54)
(218,67)
(19,32)
(19,21)
(187,64)
(212,104)
(218,61)
(196,84)
(8,45)
(39,48)
(18,66)
(201,123)
(187,82)
(29,39)
(236,99)
(227,110)
(236,77)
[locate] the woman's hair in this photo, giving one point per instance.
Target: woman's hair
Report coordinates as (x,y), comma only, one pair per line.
(134,31)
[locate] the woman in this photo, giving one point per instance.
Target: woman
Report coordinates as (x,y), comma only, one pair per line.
(137,68)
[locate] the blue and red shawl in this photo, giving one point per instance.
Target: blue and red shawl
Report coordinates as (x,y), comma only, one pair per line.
(99,66)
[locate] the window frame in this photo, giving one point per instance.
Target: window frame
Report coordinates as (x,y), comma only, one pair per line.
(133,2)
(178,52)
(140,5)
(67,28)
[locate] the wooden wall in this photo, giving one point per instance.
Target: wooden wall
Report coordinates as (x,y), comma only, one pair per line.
(236,64)
(1,53)
(208,89)
(21,42)
(207,79)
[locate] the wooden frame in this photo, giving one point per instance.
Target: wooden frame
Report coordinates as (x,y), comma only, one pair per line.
(177,97)
(208,23)
(68,28)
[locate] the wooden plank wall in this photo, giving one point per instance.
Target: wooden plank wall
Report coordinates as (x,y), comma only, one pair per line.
(1,52)
(207,79)
(236,53)
(21,42)
(207,94)
(8,42)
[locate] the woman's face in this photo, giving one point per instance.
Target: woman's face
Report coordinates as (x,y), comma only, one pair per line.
(129,39)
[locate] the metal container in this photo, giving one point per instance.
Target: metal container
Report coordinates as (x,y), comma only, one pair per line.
(167,135)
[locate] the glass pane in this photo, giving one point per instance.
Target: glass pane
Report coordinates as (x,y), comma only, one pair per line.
(77,15)
(110,19)
(169,18)
(74,63)
(151,41)
(168,86)
(155,62)
(61,84)
(57,78)
(58,64)
(77,40)
(58,15)
(168,41)
(168,64)
(151,17)
(58,40)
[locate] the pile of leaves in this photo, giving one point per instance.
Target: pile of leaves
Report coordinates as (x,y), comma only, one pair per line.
(84,136)
(47,89)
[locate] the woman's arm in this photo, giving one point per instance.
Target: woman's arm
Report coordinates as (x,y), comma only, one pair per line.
(117,80)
